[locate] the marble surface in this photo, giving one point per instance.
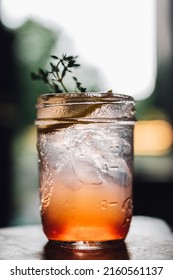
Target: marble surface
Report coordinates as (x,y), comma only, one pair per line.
(148,239)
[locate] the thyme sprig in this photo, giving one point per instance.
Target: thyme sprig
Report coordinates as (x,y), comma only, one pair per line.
(55,76)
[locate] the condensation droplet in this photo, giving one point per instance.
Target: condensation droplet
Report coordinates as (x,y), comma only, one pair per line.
(117,150)
(111,150)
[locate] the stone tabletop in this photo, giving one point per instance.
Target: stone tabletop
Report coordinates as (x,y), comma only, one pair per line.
(148,239)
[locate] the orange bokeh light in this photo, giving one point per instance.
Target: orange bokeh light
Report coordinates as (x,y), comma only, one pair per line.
(153,137)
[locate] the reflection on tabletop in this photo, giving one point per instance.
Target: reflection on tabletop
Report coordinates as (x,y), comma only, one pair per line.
(54,252)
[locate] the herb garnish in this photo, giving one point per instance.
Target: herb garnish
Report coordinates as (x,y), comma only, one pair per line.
(55,77)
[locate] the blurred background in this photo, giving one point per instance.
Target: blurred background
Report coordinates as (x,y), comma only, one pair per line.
(122,45)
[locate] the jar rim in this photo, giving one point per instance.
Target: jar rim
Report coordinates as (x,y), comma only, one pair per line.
(51,99)
(85,105)
(97,94)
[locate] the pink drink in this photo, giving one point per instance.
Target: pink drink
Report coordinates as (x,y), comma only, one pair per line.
(85,178)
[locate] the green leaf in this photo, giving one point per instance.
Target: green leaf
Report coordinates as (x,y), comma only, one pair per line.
(41,71)
(54,67)
(56,88)
(54,77)
(54,57)
(63,72)
(76,65)
(35,76)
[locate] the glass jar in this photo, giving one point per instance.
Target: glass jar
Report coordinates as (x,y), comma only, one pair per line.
(85,150)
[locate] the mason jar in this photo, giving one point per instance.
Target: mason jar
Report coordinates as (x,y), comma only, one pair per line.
(85,156)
